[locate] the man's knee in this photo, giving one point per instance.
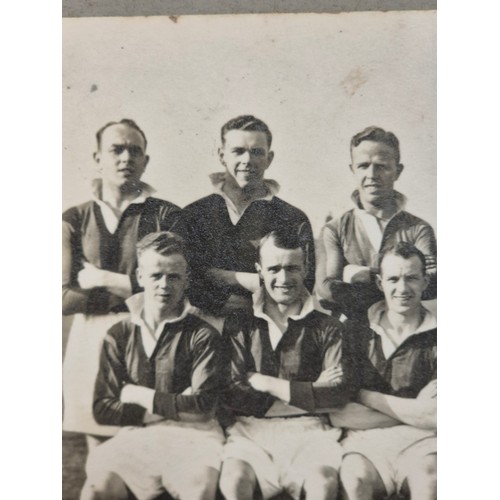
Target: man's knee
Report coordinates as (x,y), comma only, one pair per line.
(237,479)
(202,485)
(422,477)
(105,486)
(359,478)
(321,482)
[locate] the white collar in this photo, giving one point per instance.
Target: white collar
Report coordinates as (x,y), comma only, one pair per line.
(400,199)
(135,304)
(276,330)
(259,297)
(111,217)
(143,191)
(377,310)
(218,179)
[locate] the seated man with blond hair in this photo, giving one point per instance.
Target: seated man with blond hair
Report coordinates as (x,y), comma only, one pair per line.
(159,380)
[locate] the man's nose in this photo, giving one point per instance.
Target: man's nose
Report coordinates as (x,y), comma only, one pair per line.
(283,275)
(245,157)
(372,170)
(125,155)
(163,282)
(402,285)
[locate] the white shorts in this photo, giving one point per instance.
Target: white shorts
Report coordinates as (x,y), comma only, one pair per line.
(282,450)
(393,451)
(165,456)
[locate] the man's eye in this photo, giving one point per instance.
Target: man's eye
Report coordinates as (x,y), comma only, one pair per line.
(257,152)
(118,149)
(135,151)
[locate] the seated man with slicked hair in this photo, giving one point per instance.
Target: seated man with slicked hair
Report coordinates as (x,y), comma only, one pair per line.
(223,229)
(353,242)
(391,443)
(286,368)
(159,380)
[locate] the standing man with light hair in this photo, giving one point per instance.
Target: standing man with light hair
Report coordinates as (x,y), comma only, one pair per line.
(159,380)
(286,368)
(391,443)
(352,242)
(223,229)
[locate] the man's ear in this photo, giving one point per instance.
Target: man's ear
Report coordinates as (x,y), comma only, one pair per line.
(139,276)
(97,159)
(146,161)
(378,281)
(400,167)
(220,152)
(270,158)
(427,280)
(258,268)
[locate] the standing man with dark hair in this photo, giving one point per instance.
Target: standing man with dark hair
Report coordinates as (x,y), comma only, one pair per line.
(159,372)
(224,228)
(99,261)
(286,367)
(391,443)
(353,241)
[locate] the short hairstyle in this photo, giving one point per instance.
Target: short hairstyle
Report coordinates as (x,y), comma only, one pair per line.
(162,242)
(402,249)
(124,121)
(377,134)
(285,238)
(246,122)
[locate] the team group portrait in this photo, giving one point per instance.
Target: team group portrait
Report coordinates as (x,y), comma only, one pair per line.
(249,257)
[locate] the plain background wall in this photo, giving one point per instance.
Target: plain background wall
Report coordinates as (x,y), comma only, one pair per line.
(315,79)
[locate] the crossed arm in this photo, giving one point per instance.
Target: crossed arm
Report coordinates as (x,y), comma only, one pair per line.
(375,409)
(118,400)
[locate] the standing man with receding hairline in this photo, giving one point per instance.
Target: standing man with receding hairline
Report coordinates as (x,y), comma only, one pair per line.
(99,261)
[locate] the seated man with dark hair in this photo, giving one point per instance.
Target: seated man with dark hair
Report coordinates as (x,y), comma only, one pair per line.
(286,368)
(224,228)
(159,379)
(391,444)
(353,241)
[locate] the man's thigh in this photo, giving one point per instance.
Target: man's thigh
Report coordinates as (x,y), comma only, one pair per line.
(384,448)
(152,459)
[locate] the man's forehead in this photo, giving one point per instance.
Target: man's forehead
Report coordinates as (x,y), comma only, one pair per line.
(374,148)
(237,136)
(270,253)
(122,134)
(395,264)
(152,259)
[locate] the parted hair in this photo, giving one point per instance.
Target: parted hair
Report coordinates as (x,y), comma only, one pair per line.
(246,122)
(162,242)
(124,121)
(402,249)
(377,134)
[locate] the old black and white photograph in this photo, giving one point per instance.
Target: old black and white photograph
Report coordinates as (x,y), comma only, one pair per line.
(249,256)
